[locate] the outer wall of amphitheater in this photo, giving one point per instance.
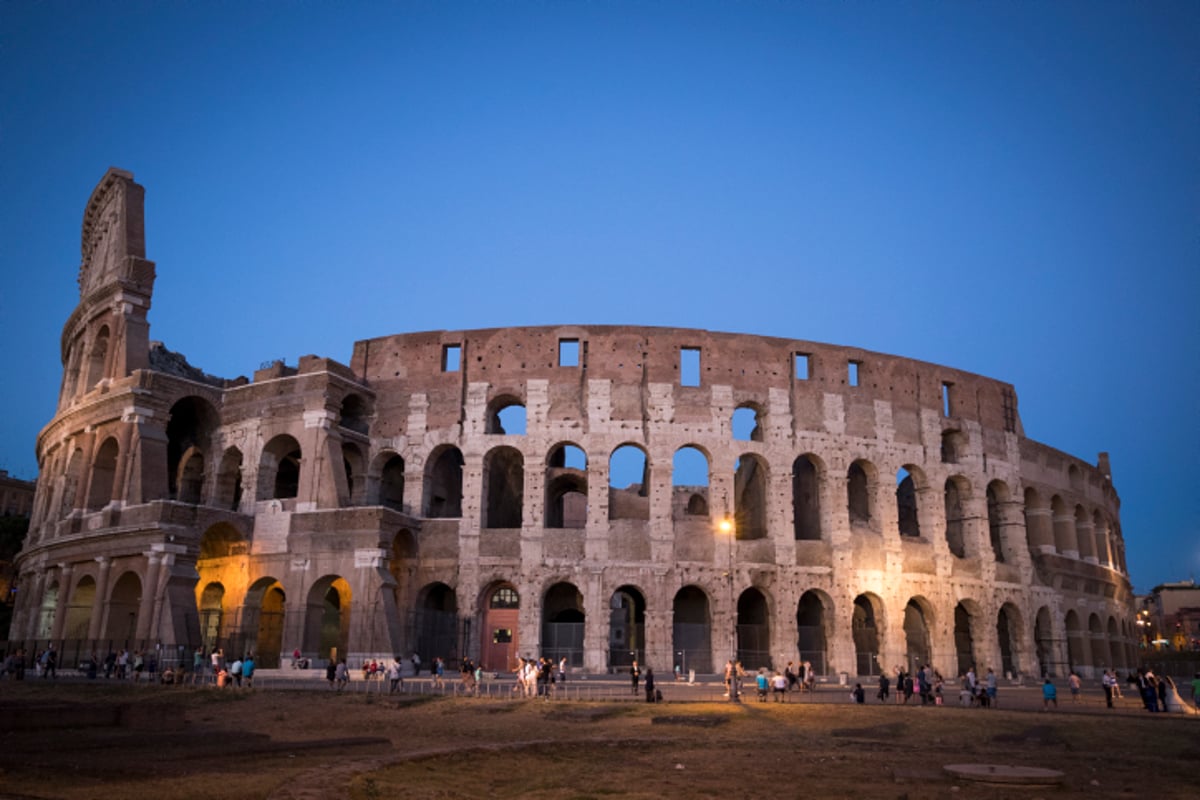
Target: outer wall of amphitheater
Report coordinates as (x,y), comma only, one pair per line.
(587,492)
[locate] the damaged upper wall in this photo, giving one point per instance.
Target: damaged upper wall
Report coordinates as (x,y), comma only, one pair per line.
(441,364)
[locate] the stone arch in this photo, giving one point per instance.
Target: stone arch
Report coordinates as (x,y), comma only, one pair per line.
(79,609)
(1010,633)
(505,416)
(967,619)
(1044,643)
(1077,649)
(503,488)
(355,413)
(190,428)
(747,422)
(391,481)
(918,622)
(327,618)
(1083,534)
(626,628)
(563,620)
(1064,527)
(861,479)
(212,615)
(1075,477)
(444,483)
(72,483)
(435,622)
(104,473)
(997,496)
(814,612)
(402,565)
(263,616)
(954,446)
(124,601)
(279,469)
(628,462)
(221,541)
(753,629)
(47,611)
(566,487)
(908,515)
(866,627)
(955,496)
(354,465)
(1101,532)
(1097,646)
(807,471)
(691,629)
(97,359)
(690,482)
(500,643)
(750,484)
(1038,531)
(229,480)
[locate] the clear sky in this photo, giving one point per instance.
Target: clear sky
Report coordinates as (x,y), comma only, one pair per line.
(1009,188)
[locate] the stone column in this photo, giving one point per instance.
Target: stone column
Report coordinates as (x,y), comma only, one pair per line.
(64,596)
(100,603)
(149,593)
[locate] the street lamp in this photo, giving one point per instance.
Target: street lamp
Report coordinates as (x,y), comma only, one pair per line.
(725,526)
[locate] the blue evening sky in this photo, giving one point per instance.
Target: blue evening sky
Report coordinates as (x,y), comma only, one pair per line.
(1010,188)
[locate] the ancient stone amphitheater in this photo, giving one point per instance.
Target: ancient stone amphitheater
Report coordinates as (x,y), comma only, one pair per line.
(588,492)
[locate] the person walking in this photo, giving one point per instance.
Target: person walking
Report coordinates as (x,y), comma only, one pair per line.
(1074,683)
(885,687)
(634,675)
(1108,682)
(990,684)
(650,688)
(248,667)
(342,675)
(1049,694)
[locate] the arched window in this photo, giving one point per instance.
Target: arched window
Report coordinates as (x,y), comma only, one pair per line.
(907,513)
(104,471)
(628,483)
(750,497)
(443,483)
(566,487)
(806,499)
(503,487)
(747,424)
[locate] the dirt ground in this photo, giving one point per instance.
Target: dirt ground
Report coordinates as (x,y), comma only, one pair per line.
(88,741)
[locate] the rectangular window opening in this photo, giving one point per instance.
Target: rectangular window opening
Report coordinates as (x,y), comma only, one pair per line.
(852,372)
(801,366)
(946,387)
(451,357)
(689,366)
(568,352)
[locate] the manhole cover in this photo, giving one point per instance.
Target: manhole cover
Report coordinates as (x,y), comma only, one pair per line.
(1006,774)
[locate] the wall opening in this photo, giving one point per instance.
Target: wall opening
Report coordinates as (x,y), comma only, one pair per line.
(852,372)
(503,487)
(908,518)
(750,498)
(566,487)
(955,524)
(746,424)
(800,366)
(451,357)
(689,366)
(628,483)
(568,352)
(443,484)
(806,499)
(858,495)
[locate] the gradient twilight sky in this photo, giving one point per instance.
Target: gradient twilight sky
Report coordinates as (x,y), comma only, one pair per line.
(1009,188)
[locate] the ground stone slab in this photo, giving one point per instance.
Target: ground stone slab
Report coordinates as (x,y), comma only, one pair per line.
(1005,774)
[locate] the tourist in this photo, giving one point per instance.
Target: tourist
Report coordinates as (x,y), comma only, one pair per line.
(416,662)
(439,670)
(562,670)
(395,676)
(331,673)
(650,696)
(779,684)
(634,674)
(858,694)
(1147,689)
(1074,683)
(1108,681)
(990,684)
(342,675)
(235,672)
(790,674)
(1163,683)
(1049,694)
(728,677)
(762,684)
(248,667)
(885,687)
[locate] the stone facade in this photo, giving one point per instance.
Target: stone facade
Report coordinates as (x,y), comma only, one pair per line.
(586,492)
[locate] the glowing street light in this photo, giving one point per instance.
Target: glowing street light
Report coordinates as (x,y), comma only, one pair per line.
(725,526)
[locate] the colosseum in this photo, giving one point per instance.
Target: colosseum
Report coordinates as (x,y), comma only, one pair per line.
(589,492)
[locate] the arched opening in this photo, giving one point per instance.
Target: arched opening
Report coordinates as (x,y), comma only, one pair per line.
(954,446)
(810,631)
(806,499)
(916,636)
(1043,641)
(1076,645)
(753,630)
(955,524)
(327,618)
(1008,632)
(212,613)
(626,628)
(1116,654)
(500,645)
(47,611)
(566,487)
(1037,523)
(262,622)
(997,493)
(865,628)
(691,630)
(355,414)
(436,623)
(97,359)
(79,609)
(443,484)
(1064,528)
(279,469)
(750,510)
(104,471)
(746,424)
(1100,531)
(628,483)
(964,643)
(391,484)
(190,428)
(354,466)
(1097,646)
(858,494)
(403,566)
(907,515)
(73,480)
(562,624)
(1083,534)
(503,487)
(123,604)
(229,480)
(689,482)
(505,415)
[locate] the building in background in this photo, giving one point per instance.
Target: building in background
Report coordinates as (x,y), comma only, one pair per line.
(584,492)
